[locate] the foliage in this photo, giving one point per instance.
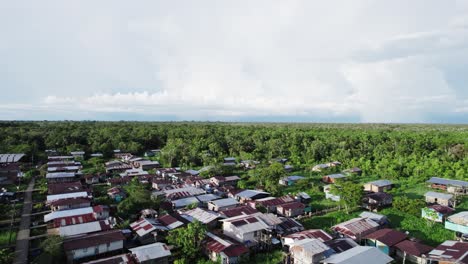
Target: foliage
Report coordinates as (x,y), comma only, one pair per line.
(327,220)
(7,236)
(431,215)
(350,194)
(268,177)
(6,256)
(53,246)
(407,205)
(188,239)
(274,257)
(138,198)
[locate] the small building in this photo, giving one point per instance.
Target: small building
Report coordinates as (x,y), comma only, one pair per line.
(356,228)
(117,194)
(67,187)
(382,220)
(357,255)
(303,197)
(229,161)
(246,229)
(76,216)
(97,155)
(355,170)
(55,197)
(78,154)
(91,178)
(385,239)
(59,177)
(160,184)
(152,253)
(333,177)
(79,229)
(223,249)
(288,168)
(376,201)
(451,186)
(412,251)
(206,198)
(177,193)
(290,180)
(69,203)
(291,209)
(449,252)
(439,198)
(458,223)
(236,211)
(208,218)
(309,251)
(378,186)
(249,195)
(93,244)
(146,164)
(224,181)
(329,194)
(441,212)
(341,244)
(184,202)
(311,233)
(320,167)
(222,204)
(271,203)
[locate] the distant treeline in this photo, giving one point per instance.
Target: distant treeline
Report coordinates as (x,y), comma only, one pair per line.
(394,151)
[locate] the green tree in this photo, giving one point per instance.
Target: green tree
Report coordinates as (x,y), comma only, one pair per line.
(350,194)
(407,205)
(188,239)
(53,246)
(6,256)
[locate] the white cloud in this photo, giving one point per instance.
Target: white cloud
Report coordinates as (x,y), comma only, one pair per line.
(380,62)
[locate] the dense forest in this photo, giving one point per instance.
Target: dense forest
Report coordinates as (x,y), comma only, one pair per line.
(413,152)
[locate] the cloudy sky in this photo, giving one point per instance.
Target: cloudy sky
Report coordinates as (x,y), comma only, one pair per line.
(314,61)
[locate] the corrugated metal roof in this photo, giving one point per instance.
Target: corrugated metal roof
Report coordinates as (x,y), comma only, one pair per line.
(355,226)
(443,181)
(55,197)
(68,168)
(246,224)
(224,202)
(309,247)
(359,255)
(312,233)
(459,218)
(250,193)
(184,202)
(439,195)
(151,252)
(10,158)
(85,228)
(55,175)
(207,197)
(200,215)
(68,213)
(381,183)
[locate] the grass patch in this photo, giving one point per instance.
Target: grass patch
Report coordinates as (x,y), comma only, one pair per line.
(418,227)
(5,236)
(273,257)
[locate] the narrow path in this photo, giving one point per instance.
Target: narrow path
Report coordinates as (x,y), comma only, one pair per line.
(22,238)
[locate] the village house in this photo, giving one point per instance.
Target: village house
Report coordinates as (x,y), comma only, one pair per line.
(69,203)
(384,240)
(118,181)
(116,167)
(60,158)
(458,223)
(184,202)
(441,212)
(333,177)
(449,252)
(439,198)
(288,168)
(79,229)
(133,173)
(381,220)
(148,230)
(78,154)
(208,218)
(291,209)
(63,168)
(76,216)
(303,197)
(359,254)
(328,193)
(224,181)
(10,168)
(55,197)
(91,178)
(246,229)
(229,161)
(145,165)
(320,167)
(378,186)
(249,195)
(271,203)
(236,211)
(451,186)
(93,244)
(309,251)
(355,170)
(223,249)
(290,180)
(60,177)
(222,204)
(206,198)
(376,201)
(356,228)
(341,244)
(311,233)
(249,164)
(288,226)
(67,187)
(117,194)
(160,184)
(177,193)
(156,253)
(117,259)
(412,251)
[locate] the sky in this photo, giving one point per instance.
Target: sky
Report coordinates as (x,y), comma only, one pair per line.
(364,61)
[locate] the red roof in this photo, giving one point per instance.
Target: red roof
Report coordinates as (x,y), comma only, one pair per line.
(291,206)
(277,201)
(442,209)
(235,251)
(312,233)
(91,240)
(70,201)
(240,210)
(64,187)
(413,248)
(387,236)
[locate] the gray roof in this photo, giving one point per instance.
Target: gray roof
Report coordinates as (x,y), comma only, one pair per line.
(250,193)
(207,197)
(184,202)
(359,255)
(9,158)
(443,181)
(224,202)
(336,176)
(381,183)
(439,195)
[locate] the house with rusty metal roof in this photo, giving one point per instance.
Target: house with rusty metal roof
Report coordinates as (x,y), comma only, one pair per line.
(311,233)
(221,248)
(236,211)
(384,240)
(95,244)
(413,251)
(246,229)
(449,185)
(450,252)
(356,228)
(206,217)
(309,251)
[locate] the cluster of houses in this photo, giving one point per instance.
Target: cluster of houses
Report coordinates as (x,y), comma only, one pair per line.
(10,170)
(239,221)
